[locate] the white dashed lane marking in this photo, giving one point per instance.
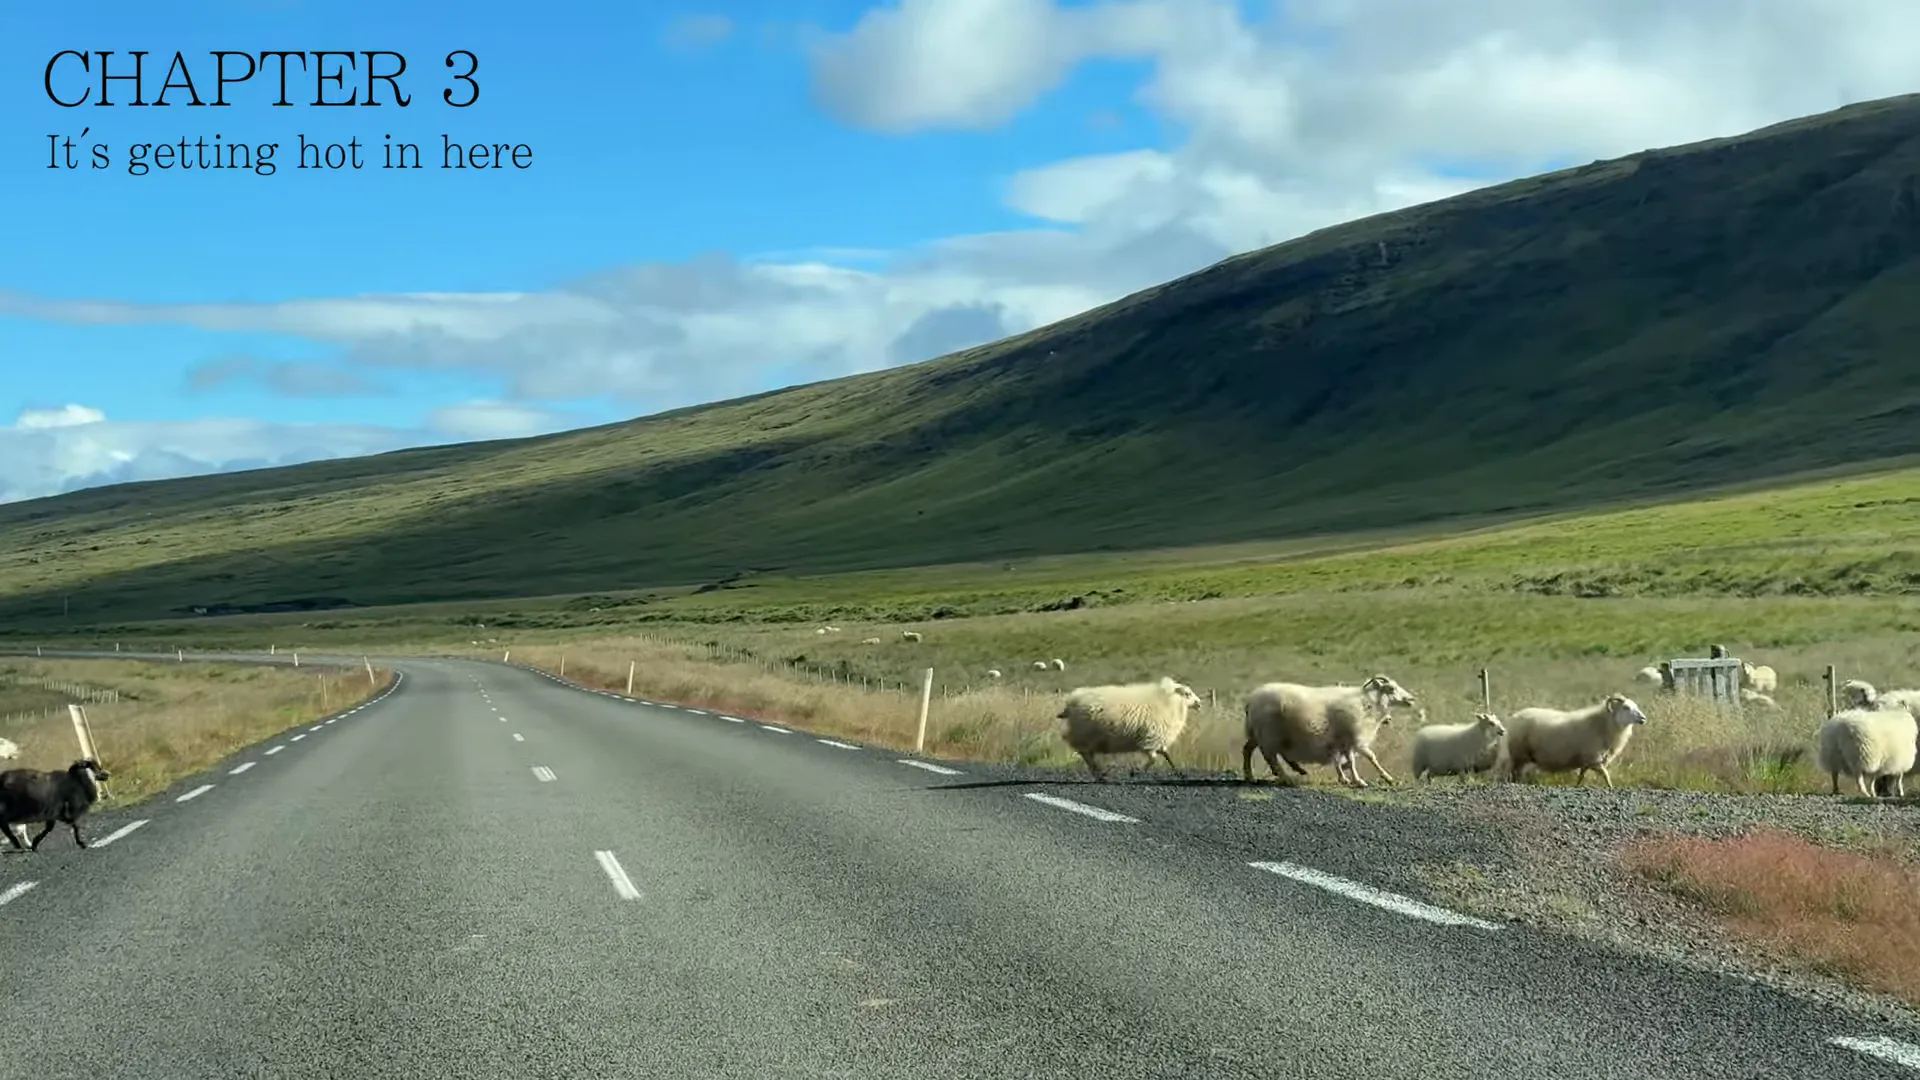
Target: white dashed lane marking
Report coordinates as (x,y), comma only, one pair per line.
(930,767)
(118,833)
(622,884)
(1367,894)
(1889,1050)
(841,745)
(276,749)
(1082,808)
(298,737)
(242,767)
(195,793)
(781,730)
(733,719)
(543,774)
(517,737)
(15,891)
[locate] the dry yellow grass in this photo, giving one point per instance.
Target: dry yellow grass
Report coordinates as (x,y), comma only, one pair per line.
(1685,744)
(174,719)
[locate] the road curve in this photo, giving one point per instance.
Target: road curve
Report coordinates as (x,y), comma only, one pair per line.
(490,874)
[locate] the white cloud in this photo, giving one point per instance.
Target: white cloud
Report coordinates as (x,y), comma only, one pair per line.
(65,416)
(494,420)
(51,451)
(1325,111)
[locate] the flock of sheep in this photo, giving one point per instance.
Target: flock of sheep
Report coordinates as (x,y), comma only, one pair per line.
(1875,741)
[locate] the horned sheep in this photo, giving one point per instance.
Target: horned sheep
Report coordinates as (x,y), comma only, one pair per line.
(1134,718)
(1867,744)
(30,795)
(1319,725)
(1454,749)
(1583,740)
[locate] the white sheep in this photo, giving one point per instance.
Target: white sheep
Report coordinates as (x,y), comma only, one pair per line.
(910,635)
(1650,675)
(1868,744)
(1059,664)
(1295,723)
(1556,740)
(1453,749)
(1749,696)
(1760,677)
(821,630)
(9,749)
(1136,718)
(1039,665)
(993,673)
(870,641)
(1862,695)
(833,629)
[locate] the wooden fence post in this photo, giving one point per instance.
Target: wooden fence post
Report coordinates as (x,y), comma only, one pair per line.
(926,702)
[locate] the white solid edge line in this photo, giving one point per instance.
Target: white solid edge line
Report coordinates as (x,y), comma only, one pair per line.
(930,767)
(517,737)
(117,833)
(833,742)
(276,749)
(781,730)
(15,891)
(1367,894)
(617,874)
(195,793)
(1882,1047)
(242,767)
(1082,808)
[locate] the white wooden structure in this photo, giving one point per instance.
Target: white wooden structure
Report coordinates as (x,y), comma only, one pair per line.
(1716,679)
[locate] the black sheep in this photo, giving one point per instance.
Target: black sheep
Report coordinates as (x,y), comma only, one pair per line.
(29,795)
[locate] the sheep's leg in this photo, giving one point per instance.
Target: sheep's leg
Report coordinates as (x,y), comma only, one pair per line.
(1246,760)
(1170,764)
(14,837)
(1864,788)
(1604,774)
(1377,767)
(1092,765)
(1900,786)
(1291,764)
(1273,766)
(1836,782)
(43,834)
(1348,768)
(78,840)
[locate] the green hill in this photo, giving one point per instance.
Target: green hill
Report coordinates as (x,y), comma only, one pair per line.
(1668,321)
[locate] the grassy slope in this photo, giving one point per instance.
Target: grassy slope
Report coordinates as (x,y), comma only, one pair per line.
(1649,325)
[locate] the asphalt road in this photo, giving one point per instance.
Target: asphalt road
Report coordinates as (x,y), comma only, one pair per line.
(488,874)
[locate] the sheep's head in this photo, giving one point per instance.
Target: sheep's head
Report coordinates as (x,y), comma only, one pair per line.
(1860,694)
(1179,690)
(1389,692)
(86,766)
(1624,710)
(1490,723)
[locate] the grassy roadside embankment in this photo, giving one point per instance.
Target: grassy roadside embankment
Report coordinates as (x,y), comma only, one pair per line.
(171,719)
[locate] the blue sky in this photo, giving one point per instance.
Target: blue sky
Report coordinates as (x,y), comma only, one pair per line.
(735,196)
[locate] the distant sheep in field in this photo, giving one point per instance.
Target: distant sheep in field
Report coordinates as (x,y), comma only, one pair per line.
(821,630)
(910,635)
(1583,740)
(1058,664)
(1760,677)
(1039,665)
(1456,749)
(1755,697)
(1319,725)
(30,795)
(1866,745)
(993,673)
(1651,675)
(9,749)
(870,641)
(1136,718)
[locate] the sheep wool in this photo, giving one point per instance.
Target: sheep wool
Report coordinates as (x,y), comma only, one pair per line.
(1760,677)
(1135,718)
(30,795)
(1319,725)
(1578,740)
(1457,749)
(1867,744)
